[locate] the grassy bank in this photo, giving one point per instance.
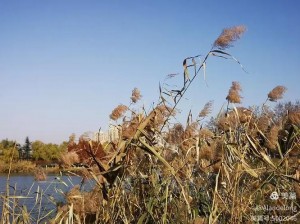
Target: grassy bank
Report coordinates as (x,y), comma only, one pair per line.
(29,167)
(17,167)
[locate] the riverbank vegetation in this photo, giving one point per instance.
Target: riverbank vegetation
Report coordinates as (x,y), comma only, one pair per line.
(32,154)
(220,170)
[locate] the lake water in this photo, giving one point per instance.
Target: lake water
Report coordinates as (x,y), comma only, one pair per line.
(41,196)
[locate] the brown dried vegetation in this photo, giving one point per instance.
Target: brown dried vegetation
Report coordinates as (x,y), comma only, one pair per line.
(206,109)
(234,93)
(136,95)
(118,112)
(159,172)
(228,36)
(276,93)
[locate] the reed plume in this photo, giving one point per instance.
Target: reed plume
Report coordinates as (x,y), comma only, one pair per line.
(234,93)
(206,109)
(272,137)
(136,95)
(70,158)
(294,118)
(205,133)
(118,112)
(276,93)
(228,36)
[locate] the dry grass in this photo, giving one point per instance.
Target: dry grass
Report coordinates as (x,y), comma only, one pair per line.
(69,158)
(159,172)
(164,172)
(17,167)
(40,175)
(217,175)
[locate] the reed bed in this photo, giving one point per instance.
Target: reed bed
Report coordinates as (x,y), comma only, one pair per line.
(241,167)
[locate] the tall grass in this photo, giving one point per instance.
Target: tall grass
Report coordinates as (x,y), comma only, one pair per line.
(32,204)
(223,172)
(160,172)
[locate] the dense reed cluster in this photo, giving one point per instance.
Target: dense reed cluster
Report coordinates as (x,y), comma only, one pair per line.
(221,171)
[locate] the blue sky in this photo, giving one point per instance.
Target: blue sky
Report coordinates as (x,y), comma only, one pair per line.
(64,65)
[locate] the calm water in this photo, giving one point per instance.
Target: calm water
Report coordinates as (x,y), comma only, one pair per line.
(42,196)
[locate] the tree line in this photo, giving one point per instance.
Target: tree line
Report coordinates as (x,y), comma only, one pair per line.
(36,150)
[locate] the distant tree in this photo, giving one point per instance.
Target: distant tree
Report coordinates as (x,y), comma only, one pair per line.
(10,153)
(48,152)
(53,151)
(27,148)
(9,148)
(63,147)
(38,150)
(7,143)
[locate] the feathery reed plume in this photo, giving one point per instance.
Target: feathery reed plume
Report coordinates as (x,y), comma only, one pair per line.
(129,128)
(85,203)
(272,137)
(207,152)
(70,158)
(205,133)
(206,109)
(276,93)
(191,130)
(228,36)
(244,114)
(234,93)
(228,122)
(162,112)
(294,118)
(118,112)
(136,95)
(263,123)
(175,134)
(40,175)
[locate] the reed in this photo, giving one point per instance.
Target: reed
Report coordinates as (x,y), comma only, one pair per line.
(161,172)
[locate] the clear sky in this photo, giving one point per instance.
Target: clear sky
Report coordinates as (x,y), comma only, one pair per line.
(64,65)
